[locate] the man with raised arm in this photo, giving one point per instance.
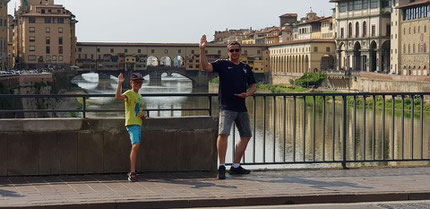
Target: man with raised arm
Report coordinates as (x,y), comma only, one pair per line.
(236,83)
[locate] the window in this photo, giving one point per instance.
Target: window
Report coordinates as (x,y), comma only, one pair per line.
(386,3)
(350,30)
(32,20)
(179,51)
(98,49)
(315,49)
(365,4)
(112,50)
(31,57)
(343,7)
(125,50)
(60,30)
(327,49)
(48,49)
(48,20)
(48,29)
(357,29)
(192,51)
(60,20)
(364,29)
(32,39)
(358,5)
(373,30)
(350,6)
(79,49)
(342,33)
(48,40)
(388,29)
(32,48)
(152,50)
(374,4)
(60,49)
(31,29)
(139,51)
(166,51)
(54,58)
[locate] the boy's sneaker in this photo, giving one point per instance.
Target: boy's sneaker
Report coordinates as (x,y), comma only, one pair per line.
(221,172)
(132,177)
(239,170)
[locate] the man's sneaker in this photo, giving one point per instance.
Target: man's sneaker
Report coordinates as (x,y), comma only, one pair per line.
(132,177)
(239,170)
(221,172)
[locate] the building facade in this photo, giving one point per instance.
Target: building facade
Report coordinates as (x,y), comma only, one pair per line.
(10,60)
(3,34)
(363,35)
(44,35)
(413,48)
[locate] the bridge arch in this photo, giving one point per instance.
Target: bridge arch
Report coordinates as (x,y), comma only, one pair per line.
(178,61)
(152,61)
(165,61)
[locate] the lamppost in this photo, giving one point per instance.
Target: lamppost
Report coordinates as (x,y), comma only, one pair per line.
(97,65)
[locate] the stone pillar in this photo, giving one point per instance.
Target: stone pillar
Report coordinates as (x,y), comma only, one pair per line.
(365,54)
(155,78)
(338,62)
(379,61)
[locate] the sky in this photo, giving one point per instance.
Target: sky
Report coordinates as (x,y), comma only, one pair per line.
(177,21)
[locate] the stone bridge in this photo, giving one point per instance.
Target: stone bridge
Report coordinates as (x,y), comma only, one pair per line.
(199,78)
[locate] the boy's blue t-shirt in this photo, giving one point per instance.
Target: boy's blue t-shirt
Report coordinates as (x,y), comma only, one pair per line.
(233,79)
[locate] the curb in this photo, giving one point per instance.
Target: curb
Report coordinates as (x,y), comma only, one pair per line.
(251,201)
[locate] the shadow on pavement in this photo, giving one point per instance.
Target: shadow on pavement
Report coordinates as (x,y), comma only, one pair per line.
(325,185)
(5,193)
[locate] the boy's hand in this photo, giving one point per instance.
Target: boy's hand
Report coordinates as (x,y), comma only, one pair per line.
(121,78)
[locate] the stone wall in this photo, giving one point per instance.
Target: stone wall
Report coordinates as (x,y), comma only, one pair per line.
(284,79)
(89,146)
(375,82)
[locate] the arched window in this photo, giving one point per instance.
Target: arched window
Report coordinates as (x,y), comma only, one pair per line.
(357,29)
(364,29)
(350,30)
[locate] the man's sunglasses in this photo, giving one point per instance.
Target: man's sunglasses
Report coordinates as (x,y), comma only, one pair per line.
(234,50)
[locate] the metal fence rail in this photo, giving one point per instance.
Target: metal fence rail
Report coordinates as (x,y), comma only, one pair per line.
(308,128)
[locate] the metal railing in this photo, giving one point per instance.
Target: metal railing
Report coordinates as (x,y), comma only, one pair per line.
(310,128)
(84,110)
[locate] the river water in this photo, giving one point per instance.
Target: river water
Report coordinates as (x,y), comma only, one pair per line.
(279,136)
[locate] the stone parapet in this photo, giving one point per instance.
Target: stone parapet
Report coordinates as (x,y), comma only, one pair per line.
(97,146)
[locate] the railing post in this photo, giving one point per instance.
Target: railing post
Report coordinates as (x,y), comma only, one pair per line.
(84,107)
(210,106)
(344,128)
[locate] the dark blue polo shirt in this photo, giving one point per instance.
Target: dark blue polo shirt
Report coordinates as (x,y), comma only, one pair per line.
(233,79)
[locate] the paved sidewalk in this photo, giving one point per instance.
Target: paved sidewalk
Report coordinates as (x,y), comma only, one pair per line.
(202,189)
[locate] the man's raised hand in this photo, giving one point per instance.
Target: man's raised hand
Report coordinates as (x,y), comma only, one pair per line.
(203,42)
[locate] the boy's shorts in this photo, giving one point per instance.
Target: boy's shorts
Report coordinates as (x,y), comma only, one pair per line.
(241,119)
(135,132)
